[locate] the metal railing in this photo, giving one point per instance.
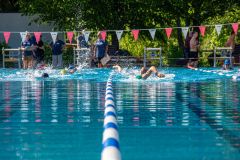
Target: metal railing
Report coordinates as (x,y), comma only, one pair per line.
(146,50)
(221,49)
(8,57)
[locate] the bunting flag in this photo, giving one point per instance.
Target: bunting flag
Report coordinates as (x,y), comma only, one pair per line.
(119,34)
(37,36)
(54,36)
(152,32)
(86,35)
(23,35)
(185,31)
(202,30)
(235,28)
(168,32)
(135,33)
(104,35)
(218,28)
(6,36)
(70,36)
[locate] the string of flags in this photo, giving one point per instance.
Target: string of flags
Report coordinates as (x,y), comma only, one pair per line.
(135,33)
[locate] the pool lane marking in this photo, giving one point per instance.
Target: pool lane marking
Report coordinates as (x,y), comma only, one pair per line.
(193,104)
(213,71)
(110,140)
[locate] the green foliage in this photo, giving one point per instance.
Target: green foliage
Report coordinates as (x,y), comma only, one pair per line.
(134,14)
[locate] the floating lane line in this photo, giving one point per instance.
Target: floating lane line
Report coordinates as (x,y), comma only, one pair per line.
(110,140)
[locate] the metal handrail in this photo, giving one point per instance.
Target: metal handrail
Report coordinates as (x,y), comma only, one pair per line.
(220,49)
(10,50)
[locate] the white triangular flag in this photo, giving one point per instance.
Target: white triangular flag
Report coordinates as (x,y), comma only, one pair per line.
(23,35)
(86,35)
(119,34)
(152,32)
(185,31)
(54,36)
(218,28)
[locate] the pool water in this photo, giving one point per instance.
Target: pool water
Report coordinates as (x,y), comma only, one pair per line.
(190,114)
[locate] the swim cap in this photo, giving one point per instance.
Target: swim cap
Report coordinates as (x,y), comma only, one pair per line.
(138,76)
(63,71)
(71,67)
(227,61)
(45,75)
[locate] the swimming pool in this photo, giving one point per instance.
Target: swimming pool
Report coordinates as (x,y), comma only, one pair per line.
(191,114)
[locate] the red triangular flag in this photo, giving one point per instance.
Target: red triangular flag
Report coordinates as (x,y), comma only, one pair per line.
(6,36)
(70,36)
(235,27)
(202,30)
(104,35)
(135,33)
(168,32)
(37,36)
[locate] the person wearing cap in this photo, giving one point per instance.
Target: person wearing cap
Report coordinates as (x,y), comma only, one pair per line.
(100,50)
(227,64)
(72,69)
(144,72)
(27,47)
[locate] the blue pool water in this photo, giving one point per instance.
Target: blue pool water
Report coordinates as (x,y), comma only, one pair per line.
(190,114)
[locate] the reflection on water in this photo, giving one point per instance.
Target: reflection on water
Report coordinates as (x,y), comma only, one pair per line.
(55,119)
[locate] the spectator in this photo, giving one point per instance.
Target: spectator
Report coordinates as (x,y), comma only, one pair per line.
(39,53)
(187,44)
(194,47)
(231,41)
(81,41)
(100,50)
(27,47)
(57,49)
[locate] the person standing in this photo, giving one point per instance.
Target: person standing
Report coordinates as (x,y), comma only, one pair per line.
(57,50)
(27,48)
(39,52)
(194,47)
(100,50)
(187,44)
(81,41)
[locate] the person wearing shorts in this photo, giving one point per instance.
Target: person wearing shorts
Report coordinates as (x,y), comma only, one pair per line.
(100,50)
(27,47)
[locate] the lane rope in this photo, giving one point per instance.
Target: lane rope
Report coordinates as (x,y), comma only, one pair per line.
(110,140)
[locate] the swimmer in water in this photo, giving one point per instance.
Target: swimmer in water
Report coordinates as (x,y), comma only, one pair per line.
(144,73)
(71,69)
(226,65)
(45,75)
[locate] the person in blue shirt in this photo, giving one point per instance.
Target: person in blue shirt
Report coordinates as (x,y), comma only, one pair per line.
(57,50)
(100,50)
(27,48)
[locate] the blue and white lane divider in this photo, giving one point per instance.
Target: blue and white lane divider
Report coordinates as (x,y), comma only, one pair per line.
(219,72)
(110,141)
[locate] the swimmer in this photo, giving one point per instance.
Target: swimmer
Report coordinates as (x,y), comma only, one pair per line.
(72,69)
(144,73)
(45,75)
(192,64)
(226,65)
(63,72)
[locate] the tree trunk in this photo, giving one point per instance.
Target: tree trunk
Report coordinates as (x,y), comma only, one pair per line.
(179,33)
